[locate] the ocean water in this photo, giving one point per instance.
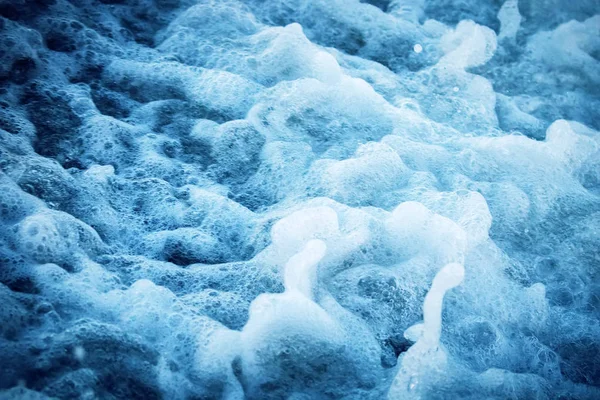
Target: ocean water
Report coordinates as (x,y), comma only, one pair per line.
(300,199)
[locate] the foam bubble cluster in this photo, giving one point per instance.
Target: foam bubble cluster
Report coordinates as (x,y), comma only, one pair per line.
(299,199)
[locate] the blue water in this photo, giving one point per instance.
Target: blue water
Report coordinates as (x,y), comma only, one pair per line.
(295,199)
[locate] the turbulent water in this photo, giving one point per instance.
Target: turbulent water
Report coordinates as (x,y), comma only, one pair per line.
(300,199)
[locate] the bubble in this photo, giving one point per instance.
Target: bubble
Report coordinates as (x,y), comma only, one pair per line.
(79,353)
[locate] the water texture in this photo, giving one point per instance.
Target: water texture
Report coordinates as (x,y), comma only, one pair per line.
(300,199)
